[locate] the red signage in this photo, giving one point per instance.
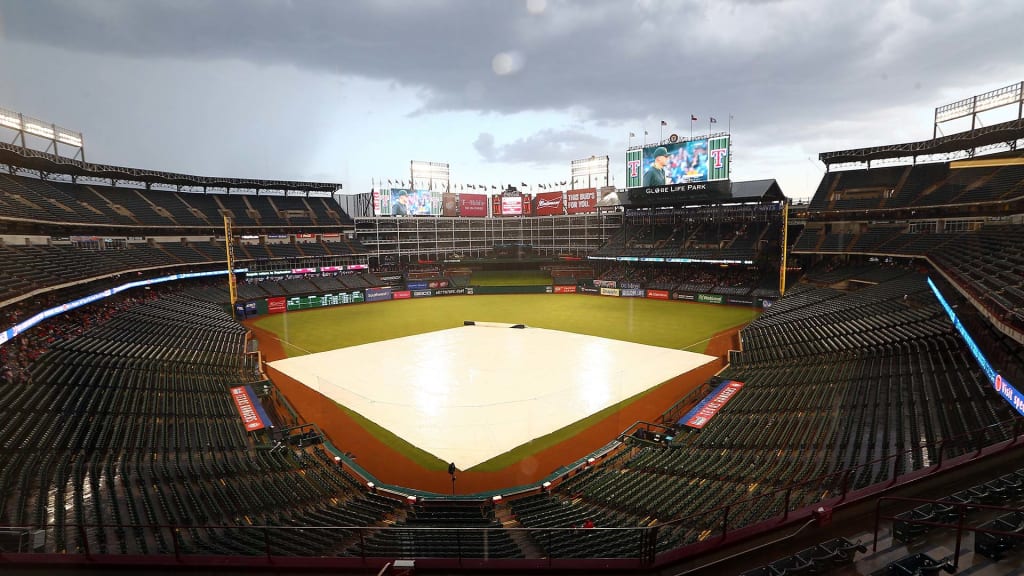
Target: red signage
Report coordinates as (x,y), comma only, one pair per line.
(527,204)
(495,206)
(708,410)
(276,305)
(304,235)
(401,295)
(246,409)
(548,204)
(658,294)
(580,201)
(565,289)
(473,205)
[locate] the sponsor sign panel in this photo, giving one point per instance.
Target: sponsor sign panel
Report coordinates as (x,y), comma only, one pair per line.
(683,296)
(422,293)
(588,290)
(401,295)
(565,289)
(276,305)
(609,292)
(511,205)
(548,203)
(416,285)
(473,205)
(377,294)
(605,283)
(657,294)
(581,201)
(632,292)
(706,409)
(249,408)
(449,204)
(711,298)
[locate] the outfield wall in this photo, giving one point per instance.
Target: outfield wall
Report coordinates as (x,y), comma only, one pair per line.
(607,288)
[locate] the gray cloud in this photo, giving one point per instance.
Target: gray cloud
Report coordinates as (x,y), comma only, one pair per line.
(544,147)
(772,62)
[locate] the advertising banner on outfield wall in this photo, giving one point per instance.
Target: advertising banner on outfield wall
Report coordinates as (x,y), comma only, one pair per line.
(276,305)
(378,294)
(740,301)
(632,292)
(401,295)
(631,285)
(588,290)
(657,294)
(605,283)
(422,293)
(249,408)
(683,296)
(450,291)
(609,292)
(706,409)
(565,289)
(711,298)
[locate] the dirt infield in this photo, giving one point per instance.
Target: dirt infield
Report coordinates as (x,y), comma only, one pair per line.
(391,467)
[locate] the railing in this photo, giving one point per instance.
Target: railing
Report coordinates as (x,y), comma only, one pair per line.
(597,548)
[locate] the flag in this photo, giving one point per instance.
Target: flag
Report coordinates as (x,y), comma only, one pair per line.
(389,180)
(712,120)
(693,118)
(524,184)
(663,123)
(645,132)
(631,135)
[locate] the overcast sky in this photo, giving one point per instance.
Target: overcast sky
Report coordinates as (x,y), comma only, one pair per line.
(503,90)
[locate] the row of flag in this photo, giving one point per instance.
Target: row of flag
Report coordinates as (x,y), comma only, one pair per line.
(445,186)
(693,118)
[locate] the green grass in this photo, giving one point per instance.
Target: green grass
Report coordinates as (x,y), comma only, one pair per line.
(683,326)
(511,278)
(657,323)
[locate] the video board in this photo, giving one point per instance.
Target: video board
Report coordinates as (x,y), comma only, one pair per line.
(676,172)
(406,202)
(321,300)
(511,205)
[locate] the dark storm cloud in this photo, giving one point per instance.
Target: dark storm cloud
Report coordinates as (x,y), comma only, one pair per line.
(780,66)
(544,147)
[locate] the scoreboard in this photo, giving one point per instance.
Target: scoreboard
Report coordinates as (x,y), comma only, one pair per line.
(320,300)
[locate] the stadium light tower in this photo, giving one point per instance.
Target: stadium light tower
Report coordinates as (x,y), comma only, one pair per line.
(54,135)
(589,172)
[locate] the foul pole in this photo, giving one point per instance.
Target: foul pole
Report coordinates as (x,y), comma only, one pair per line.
(229,251)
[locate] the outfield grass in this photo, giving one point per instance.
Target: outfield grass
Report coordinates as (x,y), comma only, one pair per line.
(511,278)
(683,326)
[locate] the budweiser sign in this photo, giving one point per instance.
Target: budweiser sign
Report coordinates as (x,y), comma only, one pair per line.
(548,203)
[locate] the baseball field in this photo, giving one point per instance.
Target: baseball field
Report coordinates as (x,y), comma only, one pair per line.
(678,325)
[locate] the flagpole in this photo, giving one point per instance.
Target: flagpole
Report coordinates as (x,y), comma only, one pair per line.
(661,132)
(730,123)
(691,126)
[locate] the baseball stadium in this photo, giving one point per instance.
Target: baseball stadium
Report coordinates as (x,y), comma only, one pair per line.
(690,374)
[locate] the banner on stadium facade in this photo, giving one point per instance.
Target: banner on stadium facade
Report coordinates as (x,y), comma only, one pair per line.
(711,298)
(416,285)
(548,204)
(449,204)
(437,284)
(705,410)
(581,201)
(605,283)
(392,278)
(657,294)
(422,293)
(305,236)
(565,289)
(473,205)
(401,295)
(766,303)
(632,285)
(588,290)
(276,305)
(377,294)
(249,408)
(331,236)
(631,292)
(609,292)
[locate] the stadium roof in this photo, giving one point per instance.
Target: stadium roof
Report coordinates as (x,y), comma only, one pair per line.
(14,155)
(977,138)
(757,190)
